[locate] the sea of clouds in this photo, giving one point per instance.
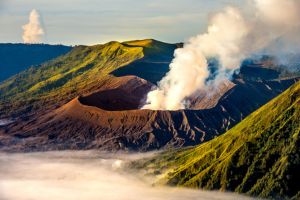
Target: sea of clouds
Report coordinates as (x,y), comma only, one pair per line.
(85,175)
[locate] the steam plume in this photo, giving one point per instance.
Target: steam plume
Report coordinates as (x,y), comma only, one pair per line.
(33,31)
(231,37)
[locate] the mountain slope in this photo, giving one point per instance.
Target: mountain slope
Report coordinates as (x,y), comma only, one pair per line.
(76,102)
(110,119)
(15,58)
(78,72)
(154,65)
(260,156)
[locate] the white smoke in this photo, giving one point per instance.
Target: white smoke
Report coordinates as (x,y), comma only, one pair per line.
(189,69)
(279,13)
(231,37)
(33,31)
(281,25)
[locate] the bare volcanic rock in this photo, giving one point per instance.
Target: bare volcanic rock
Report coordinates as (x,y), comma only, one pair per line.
(110,118)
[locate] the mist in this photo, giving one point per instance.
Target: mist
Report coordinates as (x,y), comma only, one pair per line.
(269,27)
(85,175)
(33,30)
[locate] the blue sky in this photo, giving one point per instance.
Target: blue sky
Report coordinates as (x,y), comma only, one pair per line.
(99,21)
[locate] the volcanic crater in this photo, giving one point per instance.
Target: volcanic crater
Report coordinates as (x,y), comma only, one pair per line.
(111,119)
(131,96)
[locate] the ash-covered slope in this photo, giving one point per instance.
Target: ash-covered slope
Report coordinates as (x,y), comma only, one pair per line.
(110,119)
(260,156)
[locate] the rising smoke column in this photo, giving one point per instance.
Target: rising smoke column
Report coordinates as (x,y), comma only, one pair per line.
(33,31)
(189,69)
(231,37)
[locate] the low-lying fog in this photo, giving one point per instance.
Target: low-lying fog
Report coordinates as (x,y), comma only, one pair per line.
(85,175)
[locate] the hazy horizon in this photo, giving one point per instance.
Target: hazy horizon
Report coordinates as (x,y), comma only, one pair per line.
(94,22)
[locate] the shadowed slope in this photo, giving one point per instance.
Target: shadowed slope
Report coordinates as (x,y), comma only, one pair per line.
(260,156)
(154,65)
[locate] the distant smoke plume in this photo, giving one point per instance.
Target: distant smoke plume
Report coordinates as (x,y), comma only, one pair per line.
(231,37)
(33,31)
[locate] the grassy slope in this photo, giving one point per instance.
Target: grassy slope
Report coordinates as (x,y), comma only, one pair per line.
(260,156)
(81,70)
(65,77)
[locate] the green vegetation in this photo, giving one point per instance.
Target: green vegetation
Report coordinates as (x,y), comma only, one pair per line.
(155,51)
(81,70)
(260,156)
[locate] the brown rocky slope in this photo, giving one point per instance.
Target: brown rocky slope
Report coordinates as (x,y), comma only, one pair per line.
(110,118)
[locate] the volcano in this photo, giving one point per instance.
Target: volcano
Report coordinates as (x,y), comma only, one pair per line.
(110,118)
(91,97)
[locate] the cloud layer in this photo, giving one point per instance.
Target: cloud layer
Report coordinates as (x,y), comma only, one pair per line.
(84,176)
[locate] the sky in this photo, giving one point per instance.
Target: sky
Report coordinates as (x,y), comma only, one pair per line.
(88,22)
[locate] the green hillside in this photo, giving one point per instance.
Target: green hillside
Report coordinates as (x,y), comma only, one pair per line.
(81,70)
(260,156)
